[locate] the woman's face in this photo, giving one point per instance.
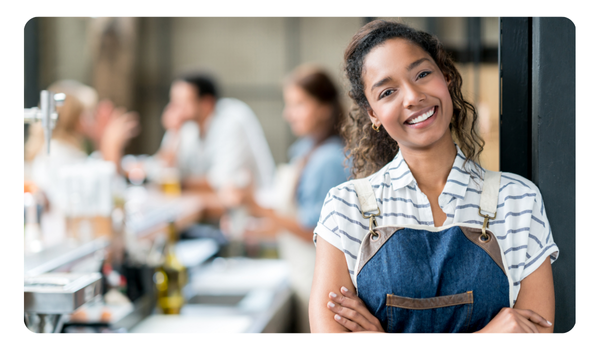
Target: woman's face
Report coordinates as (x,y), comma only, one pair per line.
(408,94)
(305,114)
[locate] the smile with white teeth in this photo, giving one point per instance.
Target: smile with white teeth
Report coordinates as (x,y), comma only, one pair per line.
(423,117)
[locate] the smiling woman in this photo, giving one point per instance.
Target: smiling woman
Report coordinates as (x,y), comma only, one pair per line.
(408,94)
(370,150)
(425,239)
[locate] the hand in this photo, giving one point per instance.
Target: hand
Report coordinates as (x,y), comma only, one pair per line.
(352,313)
(510,320)
(258,229)
(94,125)
(121,128)
(231,196)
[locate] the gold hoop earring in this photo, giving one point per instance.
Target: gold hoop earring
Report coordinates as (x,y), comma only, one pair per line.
(376,128)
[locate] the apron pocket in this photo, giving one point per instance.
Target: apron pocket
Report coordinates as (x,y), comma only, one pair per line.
(450,313)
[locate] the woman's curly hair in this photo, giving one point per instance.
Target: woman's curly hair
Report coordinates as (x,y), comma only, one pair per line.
(369,150)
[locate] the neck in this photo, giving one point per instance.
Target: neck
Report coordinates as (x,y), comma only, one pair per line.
(431,166)
(320,137)
(321,133)
(203,122)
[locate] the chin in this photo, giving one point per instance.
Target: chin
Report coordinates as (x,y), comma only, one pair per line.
(427,141)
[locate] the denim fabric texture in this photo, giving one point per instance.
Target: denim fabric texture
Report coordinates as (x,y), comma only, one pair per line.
(421,264)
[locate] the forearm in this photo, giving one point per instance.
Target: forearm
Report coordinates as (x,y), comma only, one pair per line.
(112,153)
(537,294)
(197,184)
(331,273)
(289,224)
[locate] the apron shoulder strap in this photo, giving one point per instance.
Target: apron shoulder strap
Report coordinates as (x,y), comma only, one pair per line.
(366,196)
(489,194)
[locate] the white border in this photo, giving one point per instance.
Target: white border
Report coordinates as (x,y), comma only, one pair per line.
(582,13)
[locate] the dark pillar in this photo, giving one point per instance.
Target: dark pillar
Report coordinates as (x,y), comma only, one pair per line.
(537,132)
(553,146)
(514,59)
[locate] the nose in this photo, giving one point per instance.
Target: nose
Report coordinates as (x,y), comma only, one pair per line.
(413,96)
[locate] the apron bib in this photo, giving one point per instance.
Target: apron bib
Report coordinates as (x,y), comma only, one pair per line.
(423,279)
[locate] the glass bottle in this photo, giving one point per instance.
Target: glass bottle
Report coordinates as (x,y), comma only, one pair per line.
(170,277)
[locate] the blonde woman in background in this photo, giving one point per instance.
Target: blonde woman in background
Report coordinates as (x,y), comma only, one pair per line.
(81,117)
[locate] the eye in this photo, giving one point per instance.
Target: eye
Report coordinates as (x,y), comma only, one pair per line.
(385,93)
(423,74)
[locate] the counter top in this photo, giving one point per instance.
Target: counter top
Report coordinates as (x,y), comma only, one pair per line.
(61,255)
(150,214)
(235,295)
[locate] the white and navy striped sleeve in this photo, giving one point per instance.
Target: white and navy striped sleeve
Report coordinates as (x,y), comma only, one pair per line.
(341,223)
(525,234)
(328,225)
(540,244)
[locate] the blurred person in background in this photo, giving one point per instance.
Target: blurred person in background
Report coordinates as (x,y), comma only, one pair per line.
(314,112)
(173,123)
(215,143)
(81,119)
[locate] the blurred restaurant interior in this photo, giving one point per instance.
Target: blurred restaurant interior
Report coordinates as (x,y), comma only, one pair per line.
(117,242)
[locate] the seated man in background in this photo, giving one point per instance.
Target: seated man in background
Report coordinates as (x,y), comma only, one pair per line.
(215,143)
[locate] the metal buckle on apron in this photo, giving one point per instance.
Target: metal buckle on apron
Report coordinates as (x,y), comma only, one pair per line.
(484,235)
(372,224)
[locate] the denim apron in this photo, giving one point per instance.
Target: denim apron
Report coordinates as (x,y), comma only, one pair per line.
(423,279)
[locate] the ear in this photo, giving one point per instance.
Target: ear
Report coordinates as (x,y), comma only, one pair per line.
(373,117)
(207,103)
(448,79)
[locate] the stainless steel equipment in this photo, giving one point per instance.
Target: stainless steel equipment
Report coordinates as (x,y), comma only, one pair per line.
(50,297)
(46,114)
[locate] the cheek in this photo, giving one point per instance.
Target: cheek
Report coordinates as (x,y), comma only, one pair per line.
(448,102)
(388,115)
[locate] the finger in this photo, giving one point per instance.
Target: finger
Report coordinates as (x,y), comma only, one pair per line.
(133,132)
(132,116)
(527,326)
(349,299)
(352,315)
(524,323)
(350,325)
(359,305)
(534,317)
(117,112)
(347,302)
(347,292)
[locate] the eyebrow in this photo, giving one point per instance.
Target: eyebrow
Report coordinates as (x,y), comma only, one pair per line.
(417,62)
(381,82)
(410,66)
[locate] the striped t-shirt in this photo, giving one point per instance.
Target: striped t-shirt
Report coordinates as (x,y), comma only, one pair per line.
(521,225)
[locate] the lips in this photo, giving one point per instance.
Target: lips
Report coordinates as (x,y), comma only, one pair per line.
(421,117)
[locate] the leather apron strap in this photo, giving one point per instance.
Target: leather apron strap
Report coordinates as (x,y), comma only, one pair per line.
(489,194)
(488,202)
(366,196)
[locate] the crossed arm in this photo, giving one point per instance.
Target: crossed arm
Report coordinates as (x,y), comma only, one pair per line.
(332,309)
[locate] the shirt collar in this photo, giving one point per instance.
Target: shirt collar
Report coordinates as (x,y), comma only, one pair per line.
(458,179)
(400,175)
